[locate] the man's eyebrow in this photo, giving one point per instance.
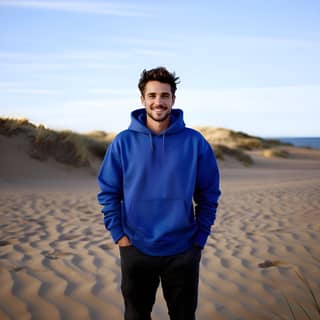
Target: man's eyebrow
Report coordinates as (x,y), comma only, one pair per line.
(161,93)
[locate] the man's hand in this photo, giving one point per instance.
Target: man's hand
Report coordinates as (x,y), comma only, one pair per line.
(124,242)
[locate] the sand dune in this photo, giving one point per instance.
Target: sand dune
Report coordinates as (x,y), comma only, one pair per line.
(58,262)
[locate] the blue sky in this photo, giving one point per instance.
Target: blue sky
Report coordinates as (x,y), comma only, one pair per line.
(247,65)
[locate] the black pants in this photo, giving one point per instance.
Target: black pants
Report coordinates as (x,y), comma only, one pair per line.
(141,275)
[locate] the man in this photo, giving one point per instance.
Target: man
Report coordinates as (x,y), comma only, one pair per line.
(149,178)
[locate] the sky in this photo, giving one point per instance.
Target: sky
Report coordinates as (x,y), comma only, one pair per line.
(246,65)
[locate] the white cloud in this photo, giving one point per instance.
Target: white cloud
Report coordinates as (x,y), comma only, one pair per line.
(114,92)
(87,115)
(269,99)
(271,111)
(150,52)
(265,41)
(92,54)
(171,42)
(99,103)
(94,7)
(35,66)
(11,84)
(108,66)
(282,111)
(82,55)
(27,91)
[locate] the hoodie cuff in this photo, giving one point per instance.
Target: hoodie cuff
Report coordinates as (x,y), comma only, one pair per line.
(200,239)
(117,233)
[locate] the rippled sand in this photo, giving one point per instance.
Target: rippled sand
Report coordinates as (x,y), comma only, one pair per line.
(58,262)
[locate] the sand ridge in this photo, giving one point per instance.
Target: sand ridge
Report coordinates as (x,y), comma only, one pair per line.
(54,257)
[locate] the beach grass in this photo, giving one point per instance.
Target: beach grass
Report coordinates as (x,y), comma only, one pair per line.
(64,146)
(79,149)
(275,153)
(222,151)
(299,311)
(236,139)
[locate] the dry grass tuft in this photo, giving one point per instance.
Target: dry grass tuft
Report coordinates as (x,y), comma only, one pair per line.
(79,149)
(234,144)
(275,153)
(299,311)
(222,151)
(309,310)
(64,146)
(10,126)
(235,139)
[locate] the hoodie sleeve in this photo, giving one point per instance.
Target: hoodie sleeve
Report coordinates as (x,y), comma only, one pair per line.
(110,196)
(206,194)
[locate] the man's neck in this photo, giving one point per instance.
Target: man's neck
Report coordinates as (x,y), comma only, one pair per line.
(157,126)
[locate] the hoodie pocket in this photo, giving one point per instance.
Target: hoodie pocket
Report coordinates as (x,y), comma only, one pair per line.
(160,219)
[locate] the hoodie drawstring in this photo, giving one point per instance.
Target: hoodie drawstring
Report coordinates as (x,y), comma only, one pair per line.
(151,143)
(163,142)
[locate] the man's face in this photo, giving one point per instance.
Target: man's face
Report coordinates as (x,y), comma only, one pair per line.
(158,100)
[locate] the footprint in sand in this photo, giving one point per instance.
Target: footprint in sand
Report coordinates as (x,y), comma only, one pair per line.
(106,246)
(54,255)
(65,237)
(18,268)
(12,268)
(4,243)
(273,263)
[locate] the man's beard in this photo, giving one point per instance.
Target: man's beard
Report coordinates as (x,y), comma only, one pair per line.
(166,116)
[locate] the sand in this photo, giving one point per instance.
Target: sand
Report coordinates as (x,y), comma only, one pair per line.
(58,262)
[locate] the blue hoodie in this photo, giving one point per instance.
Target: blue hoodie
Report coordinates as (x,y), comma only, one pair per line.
(148,183)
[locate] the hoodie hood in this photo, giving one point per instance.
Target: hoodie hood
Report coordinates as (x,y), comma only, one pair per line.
(139,118)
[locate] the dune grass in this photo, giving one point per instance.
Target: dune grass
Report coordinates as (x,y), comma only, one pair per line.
(64,146)
(309,310)
(9,126)
(275,153)
(79,149)
(222,151)
(236,139)
(299,311)
(234,144)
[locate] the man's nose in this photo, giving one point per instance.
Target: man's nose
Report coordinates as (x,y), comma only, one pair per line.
(158,100)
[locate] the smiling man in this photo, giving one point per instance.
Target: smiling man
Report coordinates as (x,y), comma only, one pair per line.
(158,100)
(149,178)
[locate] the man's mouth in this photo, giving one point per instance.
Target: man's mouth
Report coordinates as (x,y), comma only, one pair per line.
(160,108)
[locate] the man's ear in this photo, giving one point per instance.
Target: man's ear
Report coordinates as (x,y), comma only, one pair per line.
(142,100)
(173,100)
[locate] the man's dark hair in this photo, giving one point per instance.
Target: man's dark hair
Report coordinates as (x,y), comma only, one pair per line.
(160,74)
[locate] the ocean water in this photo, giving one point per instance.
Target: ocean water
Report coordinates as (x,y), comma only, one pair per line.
(312,142)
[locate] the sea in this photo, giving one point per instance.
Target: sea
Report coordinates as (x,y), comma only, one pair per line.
(311,142)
